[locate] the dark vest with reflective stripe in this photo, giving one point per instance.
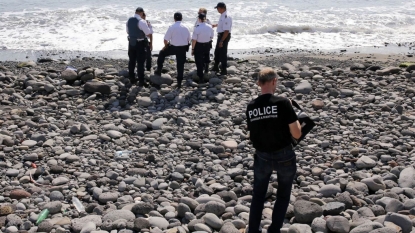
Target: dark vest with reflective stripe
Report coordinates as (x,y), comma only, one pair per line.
(133,31)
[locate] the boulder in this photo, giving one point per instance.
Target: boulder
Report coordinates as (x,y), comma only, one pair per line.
(304,87)
(407,178)
(96,86)
(160,80)
(305,211)
(69,75)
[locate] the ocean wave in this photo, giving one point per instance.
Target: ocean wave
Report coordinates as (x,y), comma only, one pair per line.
(103,28)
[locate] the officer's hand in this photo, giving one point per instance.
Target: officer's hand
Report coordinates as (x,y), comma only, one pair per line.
(193,52)
(220,44)
(214,25)
(151,47)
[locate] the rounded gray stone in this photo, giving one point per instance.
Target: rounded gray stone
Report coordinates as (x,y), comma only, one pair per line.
(330,190)
(158,222)
(305,211)
(213,221)
(119,214)
(338,224)
(109,196)
(214,207)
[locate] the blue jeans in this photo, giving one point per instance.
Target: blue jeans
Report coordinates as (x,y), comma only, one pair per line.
(284,162)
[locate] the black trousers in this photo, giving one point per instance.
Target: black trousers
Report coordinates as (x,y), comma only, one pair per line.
(148,58)
(137,55)
(202,59)
(180,52)
(221,54)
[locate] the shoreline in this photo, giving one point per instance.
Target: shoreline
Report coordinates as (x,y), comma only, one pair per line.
(259,53)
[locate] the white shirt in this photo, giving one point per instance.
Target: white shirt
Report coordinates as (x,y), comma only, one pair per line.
(203,33)
(178,34)
(197,22)
(142,25)
(150,27)
(225,23)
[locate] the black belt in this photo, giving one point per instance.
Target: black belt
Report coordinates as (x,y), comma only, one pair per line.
(203,43)
(179,46)
(289,147)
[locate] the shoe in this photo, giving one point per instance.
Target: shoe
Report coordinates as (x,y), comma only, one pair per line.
(223,73)
(215,68)
(157,72)
(201,80)
(143,84)
(206,68)
(133,81)
(148,68)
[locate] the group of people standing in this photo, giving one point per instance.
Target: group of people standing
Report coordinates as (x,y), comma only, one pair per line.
(177,41)
(271,120)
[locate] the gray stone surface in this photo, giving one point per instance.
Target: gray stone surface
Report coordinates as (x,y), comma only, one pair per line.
(338,224)
(306,211)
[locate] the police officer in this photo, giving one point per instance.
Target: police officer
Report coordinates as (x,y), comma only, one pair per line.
(202,11)
(176,42)
(272,123)
(224,28)
(150,45)
(137,30)
(201,45)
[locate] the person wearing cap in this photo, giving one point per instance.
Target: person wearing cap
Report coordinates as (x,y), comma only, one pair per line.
(150,45)
(201,45)
(224,28)
(137,30)
(202,11)
(272,122)
(176,42)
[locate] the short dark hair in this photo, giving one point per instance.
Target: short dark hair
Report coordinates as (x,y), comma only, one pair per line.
(178,16)
(267,75)
(139,10)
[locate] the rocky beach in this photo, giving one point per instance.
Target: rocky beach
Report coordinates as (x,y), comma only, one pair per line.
(187,160)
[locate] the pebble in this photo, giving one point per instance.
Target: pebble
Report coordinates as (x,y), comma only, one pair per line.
(190,167)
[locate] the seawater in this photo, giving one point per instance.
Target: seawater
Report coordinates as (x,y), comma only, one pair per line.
(94,25)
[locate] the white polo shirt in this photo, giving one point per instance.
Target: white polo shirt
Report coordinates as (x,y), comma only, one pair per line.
(197,22)
(142,25)
(178,34)
(225,23)
(203,33)
(150,27)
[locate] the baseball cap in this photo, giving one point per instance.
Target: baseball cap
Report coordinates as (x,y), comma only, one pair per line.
(178,16)
(202,16)
(139,9)
(221,5)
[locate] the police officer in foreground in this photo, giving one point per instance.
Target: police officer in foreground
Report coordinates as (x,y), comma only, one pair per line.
(272,123)
(201,45)
(202,11)
(224,28)
(176,42)
(137,30)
